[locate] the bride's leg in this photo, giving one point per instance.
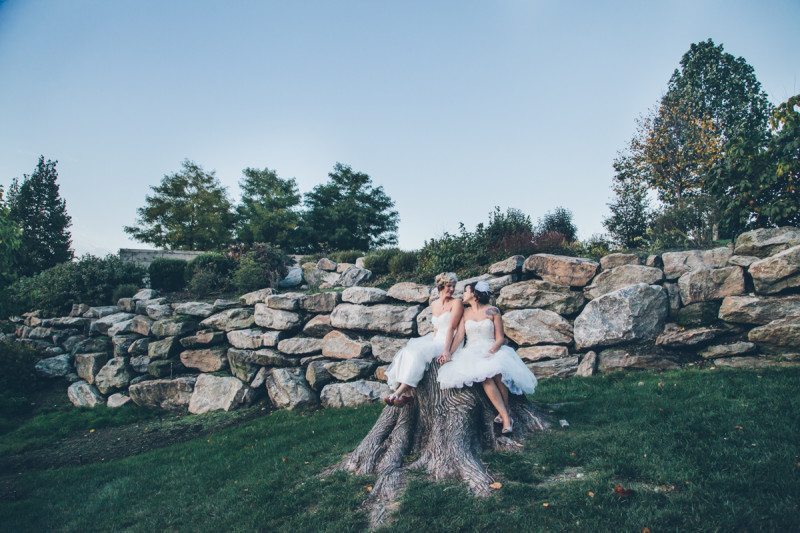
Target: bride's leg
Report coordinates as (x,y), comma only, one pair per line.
(498,380)
(490,387)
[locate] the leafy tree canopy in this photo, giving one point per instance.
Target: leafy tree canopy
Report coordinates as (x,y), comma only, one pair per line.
(268,210)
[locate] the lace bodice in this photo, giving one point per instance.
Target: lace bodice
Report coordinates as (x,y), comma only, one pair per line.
(440,324)
(479,331)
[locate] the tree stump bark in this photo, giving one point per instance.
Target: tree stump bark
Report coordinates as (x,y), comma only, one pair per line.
(441,433)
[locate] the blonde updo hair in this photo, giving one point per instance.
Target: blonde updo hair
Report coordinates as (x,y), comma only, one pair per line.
(444,278)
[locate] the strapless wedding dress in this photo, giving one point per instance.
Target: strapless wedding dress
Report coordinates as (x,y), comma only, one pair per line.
(473,363)
(410,363)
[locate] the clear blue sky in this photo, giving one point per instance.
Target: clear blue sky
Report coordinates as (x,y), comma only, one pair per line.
(454,107)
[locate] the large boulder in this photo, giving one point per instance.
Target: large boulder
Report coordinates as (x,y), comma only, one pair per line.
(783,332)
(318,326)
(54,367)
(158,311)
(751,309)
(496,283)
(727,350)
(527,327)
(173,327)
(350,369)
(120,328)
(163,393)
(588,365)
(141,324)
(317,277)
(327,264)
(286,301)
(316,374)
(622,276)
(300,346)
(676,264)
(711,284)
(621,359)
(338,345)
(194,309)
(541,353)
(102,325)
(409,292)
(287,389)
(424,322)
(383,318)
(246,363)
(252,339)
(353,393)
(203,338)
(87,365)
(92,345)
(163,349)
(563,270)
(321,302)
(145,294)
(778,272)
(216,393)
(698,314)
(115,374)
(535,293)
(230,319)
(276,318)
(294,278)
(607,262)
(101,311)
(507,266)
(82,394)
(364,295)
(554,368)
(354,276)
(256,297)
(676,337)
(764,242)
(205,359)
(384,348)
(633,313)
(117,400)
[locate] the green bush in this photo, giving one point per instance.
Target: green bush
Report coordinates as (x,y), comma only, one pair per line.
(377,261)
(311,258)
(404,263)
(346,256)
(126,290)
(18,374)
(167,274)
(209,273)
(263,266)
(89,280)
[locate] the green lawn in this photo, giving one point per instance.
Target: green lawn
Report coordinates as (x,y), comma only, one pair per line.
(701,450)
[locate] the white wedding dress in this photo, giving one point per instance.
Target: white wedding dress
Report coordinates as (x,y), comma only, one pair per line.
(473,363)
(410,363)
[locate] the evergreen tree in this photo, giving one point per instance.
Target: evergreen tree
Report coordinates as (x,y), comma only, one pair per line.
(558,220)
(630,214)
(41,214)
(10,234)
(267,212)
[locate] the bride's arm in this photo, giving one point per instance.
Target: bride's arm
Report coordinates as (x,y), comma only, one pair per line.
(457,339)
(499,335)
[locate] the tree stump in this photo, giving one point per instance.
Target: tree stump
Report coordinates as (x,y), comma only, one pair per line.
(442,433)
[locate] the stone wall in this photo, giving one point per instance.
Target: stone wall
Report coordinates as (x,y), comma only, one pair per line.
(735,306)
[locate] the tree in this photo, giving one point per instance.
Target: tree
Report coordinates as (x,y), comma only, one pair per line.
(189,210)
(10,240)
(441,434)
(41,214)
(630,213)
(558,220)
(267,212)
(349,213)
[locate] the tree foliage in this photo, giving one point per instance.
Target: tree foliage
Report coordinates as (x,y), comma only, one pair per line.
(267,212)
(630,212)
(10,240)
(189,210)
(559,220)
(38,210)
(348,212)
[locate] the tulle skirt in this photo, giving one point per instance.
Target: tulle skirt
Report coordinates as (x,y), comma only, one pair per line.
(473,364)
(410,363)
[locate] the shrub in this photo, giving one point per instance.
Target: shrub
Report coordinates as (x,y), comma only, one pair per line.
(596,247)
(403,263)
(346,256)
(126,290)
(263,266)
(18,374)
(377,261)
(209,273)
(311,258)
(551,242)
(167,274)
(559,220)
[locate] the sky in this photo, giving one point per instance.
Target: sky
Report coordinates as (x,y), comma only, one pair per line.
(454,107)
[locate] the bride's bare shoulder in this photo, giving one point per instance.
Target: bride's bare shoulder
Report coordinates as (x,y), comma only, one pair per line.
(492,311)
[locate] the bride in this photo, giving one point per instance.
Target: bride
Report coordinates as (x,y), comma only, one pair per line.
(410,363)
(485,359)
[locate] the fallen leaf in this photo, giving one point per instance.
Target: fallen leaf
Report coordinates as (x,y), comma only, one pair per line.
(496,485)
(590,494)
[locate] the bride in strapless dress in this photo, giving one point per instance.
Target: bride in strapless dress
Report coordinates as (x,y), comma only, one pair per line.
(410,363)
(485,358)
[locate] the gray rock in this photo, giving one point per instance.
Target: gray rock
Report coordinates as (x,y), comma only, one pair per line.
(540,294)
(318,326)
(777,272)
(287,301)
(562,270)
(78,309)
(409,292)
(698,314)
(380,373)
(743,261)
(122,344)
(82,394)
(752,309)
(102,325)
(350,369)
(252,339)
(527,327)
(321,302)
(383,318)
(139,363)
(115,374)
(620,359)
(66,322)
(205,359)
(353,393)
(276,318)
(622,276)
(173,327)
(146,294)
(674,295)
(354,276)
(216,393)
(260,378)
(222,305)
(728,350)
(677,337)
(424,324)
(555,368)
(40,333)
(158,311)
(316,374)
(677,264)
(341,268)
(633,313)
(654,261)
(588,365)
(203,338)
(288,389)
(385,348)
(781,332)
(300,346)
(93,345)
(139,347)
(141,325)
(607,262)
(496,283)
(163,349)
(338,345)
(101,312)
(764,242)
(711,284)
(53,351)
(71,342)
(364,295)
(165,368)
(54,367)
(317,277)
(127,304)
(163,393)
(245,364)
(294,278)
(194,309)
(360,262)
(120,328)
(327,264)
(117,400)
(541,353)
(507,266)
(256,297)
(752,362)
(230,319)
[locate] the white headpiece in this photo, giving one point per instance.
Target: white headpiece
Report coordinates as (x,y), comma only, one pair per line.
(482,286)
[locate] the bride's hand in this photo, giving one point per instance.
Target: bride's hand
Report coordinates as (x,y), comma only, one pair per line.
(443,358)
(493,350)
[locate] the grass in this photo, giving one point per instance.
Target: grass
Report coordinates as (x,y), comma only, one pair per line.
(708,450)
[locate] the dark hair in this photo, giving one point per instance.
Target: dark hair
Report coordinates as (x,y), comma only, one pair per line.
(482,297)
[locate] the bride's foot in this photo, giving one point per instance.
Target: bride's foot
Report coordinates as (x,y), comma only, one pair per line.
(390,400)
(498,420)
(403,400)
(508,429)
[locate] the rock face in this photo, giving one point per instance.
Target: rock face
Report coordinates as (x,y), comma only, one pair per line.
(711,284)
(364,295)
(633,313)
(353,393)
(622,276)
(527,327)
(318,326)
(781,332)
(338,345)
(54,367)
(288,389)
(563,270)
(276,318)
(540,294)
(163,393)
(216,393)
(350,369)
(87,365)
(382,318)
(767,241)
(115,374)
(424,324)
(141,325)
(82,394)
(607,262)
(410,292)
(205,359)
(677,264)
(507,266)
(253,339)
(230,319)
(385,348)
(778,272)
(752,309)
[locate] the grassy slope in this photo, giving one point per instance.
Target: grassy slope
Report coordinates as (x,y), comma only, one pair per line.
(726,440)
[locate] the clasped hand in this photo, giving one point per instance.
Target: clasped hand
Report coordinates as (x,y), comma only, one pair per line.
(443,358)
